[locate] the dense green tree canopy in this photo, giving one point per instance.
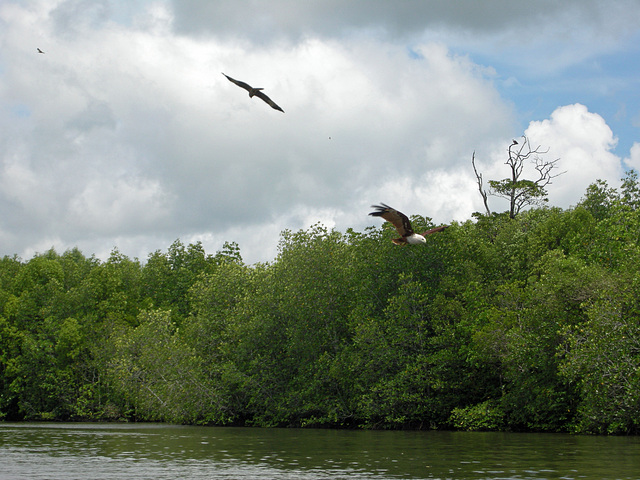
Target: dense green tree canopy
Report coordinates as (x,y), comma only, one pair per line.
(527,323)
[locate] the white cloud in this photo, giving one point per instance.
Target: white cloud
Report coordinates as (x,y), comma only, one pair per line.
(583,142)
(120,205)
(634,157)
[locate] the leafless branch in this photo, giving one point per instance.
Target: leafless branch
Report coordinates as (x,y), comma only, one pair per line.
(519,191)
(483,192)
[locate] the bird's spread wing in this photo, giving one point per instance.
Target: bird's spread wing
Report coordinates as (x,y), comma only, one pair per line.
(435,230)
(239,83)
(271,103)
(398,219)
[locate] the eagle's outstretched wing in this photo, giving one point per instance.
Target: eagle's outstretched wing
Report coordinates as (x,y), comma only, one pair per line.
(247,87)
(398,219)
(435,230)
(270,102)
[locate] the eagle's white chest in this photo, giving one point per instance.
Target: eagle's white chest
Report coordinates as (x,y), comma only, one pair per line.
(415,239)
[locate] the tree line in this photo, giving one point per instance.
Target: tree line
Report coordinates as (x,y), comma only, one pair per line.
(529,323)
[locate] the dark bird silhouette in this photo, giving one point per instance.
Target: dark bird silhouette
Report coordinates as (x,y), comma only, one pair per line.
(40,51)
(403,225)
(257,92)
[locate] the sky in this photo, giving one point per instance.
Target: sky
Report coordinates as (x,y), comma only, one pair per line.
(125,135)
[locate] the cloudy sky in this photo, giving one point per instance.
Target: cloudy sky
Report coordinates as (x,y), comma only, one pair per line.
(124,134)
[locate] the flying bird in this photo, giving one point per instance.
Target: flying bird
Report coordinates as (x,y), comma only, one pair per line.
(257,92)
(40,51)
(403,225)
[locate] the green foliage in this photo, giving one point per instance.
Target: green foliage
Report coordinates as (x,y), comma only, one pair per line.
(602,358)
(484,416)
(157,374)
(523,192)
(526,323)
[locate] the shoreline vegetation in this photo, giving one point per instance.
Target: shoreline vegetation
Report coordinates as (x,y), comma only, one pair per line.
(529,323)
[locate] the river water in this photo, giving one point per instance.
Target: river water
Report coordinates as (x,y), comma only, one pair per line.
(156,451)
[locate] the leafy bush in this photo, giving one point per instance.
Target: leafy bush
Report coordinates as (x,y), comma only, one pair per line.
(484,416)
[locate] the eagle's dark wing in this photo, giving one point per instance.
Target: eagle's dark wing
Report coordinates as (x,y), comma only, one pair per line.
(398,219)
(271,103)
(247,87)
(435,230)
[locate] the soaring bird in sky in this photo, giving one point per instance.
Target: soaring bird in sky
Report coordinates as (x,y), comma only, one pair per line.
(40,51)
(403,225)
(257,92)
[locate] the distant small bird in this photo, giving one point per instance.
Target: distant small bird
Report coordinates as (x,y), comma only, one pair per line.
(514,143)
(403,225)
(40,51)
(254,92)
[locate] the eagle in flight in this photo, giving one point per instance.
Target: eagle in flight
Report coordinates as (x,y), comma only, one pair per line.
(403,225)
(40,51)
(257,92)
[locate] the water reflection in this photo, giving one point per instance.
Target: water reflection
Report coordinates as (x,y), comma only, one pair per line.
(99,451)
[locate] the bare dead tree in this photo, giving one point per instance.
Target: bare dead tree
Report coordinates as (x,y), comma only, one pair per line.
(483,192)
(521,192)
